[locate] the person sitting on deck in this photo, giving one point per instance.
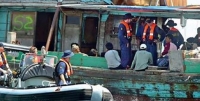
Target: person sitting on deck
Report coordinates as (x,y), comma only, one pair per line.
(76,49)
(142,59)
(30,58)
(169,46)
(93,52)
(33,51)
(112,57)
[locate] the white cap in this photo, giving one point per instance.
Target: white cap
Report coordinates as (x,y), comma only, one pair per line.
(143,46)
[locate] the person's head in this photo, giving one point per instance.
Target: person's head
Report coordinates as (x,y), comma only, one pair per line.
(198,30)
(67,54)
(171,23)
(75,48)
(33,50)
(109,46)
(168,38)
(149,21)
(74,44)
(1,47)
(143,47)
(93,52)
(127,17)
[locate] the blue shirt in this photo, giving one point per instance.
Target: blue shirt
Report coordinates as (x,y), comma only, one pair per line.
(122,35)
(61,69)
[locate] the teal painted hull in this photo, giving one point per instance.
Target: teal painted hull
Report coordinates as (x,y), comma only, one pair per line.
(163,85)
(156,84)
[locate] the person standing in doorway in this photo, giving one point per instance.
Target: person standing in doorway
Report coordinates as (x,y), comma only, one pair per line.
(125,37)
(150,37)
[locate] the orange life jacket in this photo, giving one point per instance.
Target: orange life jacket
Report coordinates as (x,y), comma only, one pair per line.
(128,28)
(68,68)
(3,59)
(152,28)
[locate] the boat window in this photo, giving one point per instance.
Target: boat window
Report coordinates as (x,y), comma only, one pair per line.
(73,20)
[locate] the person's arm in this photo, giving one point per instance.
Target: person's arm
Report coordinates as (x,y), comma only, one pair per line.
(61,71)
(166,50)
(134,60)
(161,33)
(150,59)
(117,56)
(3,71)
(121,34)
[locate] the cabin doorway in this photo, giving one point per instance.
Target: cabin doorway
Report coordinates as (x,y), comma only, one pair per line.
(89,35)
(43,24)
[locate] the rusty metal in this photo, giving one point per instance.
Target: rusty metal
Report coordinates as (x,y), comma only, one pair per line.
(52,26)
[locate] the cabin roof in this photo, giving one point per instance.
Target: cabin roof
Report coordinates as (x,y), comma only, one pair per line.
(132,8)
(162,11)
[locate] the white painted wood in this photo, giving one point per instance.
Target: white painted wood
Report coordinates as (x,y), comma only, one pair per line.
(11,36)
(176,61)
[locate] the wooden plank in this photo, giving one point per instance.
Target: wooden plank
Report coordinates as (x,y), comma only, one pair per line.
(176,61)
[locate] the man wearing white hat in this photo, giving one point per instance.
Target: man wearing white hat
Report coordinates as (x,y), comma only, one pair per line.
(142,59)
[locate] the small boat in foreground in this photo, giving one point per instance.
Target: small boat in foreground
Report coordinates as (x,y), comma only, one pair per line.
(35,82)
(73,92)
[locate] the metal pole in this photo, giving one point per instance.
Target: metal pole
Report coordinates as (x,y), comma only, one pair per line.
(52,27)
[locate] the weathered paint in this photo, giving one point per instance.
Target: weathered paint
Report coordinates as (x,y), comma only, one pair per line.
(194,65)
(5,21)
(153,85)
(104,17)
(4,24)
(59,33)
(150,84)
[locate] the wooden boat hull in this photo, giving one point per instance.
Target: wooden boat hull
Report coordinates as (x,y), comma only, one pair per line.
(150,84)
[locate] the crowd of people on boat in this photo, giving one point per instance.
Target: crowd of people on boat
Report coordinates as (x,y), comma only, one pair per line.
(149,34)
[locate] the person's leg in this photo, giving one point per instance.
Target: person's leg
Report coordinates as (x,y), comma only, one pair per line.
(163,62)
(130,55)
(124,58)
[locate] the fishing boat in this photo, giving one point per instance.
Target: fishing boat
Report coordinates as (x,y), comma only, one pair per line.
(178,83)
